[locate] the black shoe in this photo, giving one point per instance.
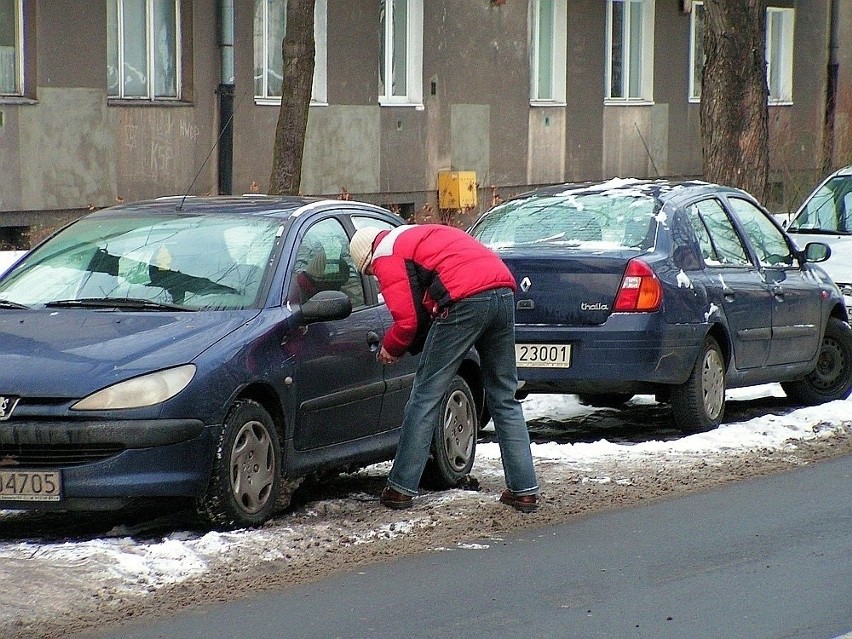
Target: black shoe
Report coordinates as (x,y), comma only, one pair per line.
(395,499)
(524,503)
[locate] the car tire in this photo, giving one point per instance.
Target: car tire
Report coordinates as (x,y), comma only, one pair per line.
(246,479)
(699,404)
(454,439)
(605,400)
(832,377)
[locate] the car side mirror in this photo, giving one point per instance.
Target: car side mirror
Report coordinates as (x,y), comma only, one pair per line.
(817,252)
(326,306)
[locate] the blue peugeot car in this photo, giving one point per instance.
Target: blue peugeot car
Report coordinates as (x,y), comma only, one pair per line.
(216,349)
(677,289)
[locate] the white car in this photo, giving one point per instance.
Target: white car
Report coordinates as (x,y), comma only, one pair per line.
(826,216)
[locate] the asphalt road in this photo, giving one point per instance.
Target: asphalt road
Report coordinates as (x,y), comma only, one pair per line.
(759,559)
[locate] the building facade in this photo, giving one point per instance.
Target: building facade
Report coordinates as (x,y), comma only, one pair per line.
(118,100)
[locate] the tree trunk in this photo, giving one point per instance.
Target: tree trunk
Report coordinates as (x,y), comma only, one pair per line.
(734,93)
(298,74)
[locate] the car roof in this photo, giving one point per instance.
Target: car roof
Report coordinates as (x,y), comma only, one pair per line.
(846,171)
(662,190)
(279,206)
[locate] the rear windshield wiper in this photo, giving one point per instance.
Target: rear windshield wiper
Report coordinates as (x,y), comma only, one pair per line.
(121,303)
(11,304)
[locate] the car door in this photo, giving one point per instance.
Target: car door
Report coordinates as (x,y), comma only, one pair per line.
(734,283)
(399,376)
(337,380)
(795,295)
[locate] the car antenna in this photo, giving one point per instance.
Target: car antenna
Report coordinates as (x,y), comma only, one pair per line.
(212,148)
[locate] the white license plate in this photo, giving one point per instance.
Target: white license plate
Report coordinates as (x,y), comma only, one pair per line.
(30,485)
(543,355)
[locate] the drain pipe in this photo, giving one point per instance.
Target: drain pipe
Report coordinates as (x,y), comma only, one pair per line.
(225,91)
(831,87)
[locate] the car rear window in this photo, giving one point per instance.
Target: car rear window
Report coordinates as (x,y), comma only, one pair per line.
(617,218)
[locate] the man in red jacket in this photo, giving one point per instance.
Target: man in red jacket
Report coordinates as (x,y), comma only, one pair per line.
(447,293)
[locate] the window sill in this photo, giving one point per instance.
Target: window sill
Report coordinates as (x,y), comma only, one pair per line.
(627,103)
(261,101)
(548,103)
(405,105)
(17,99)
(144,102)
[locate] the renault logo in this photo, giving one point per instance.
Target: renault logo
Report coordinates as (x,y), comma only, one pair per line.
(7,405)
(525,284)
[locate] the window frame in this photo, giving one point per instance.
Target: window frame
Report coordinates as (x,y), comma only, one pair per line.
(413,95)
(18,51)
(696,46)
(558,53)
(645,50)
(319,85)
(120,36)
(782,58)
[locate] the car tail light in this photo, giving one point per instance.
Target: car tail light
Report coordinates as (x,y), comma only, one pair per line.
(640,290)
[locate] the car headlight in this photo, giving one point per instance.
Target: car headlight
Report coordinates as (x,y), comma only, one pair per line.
(146,390)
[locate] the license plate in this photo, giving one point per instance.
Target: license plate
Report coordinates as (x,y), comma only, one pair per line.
(29,485)
(543,355)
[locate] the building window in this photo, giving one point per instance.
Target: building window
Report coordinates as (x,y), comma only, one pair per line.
(696,50)
(270,25)
(630,50)
(779,54)
(548,51)
(143,49)
(11,48)
(400,77)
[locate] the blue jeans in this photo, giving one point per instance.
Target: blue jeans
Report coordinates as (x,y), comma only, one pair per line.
(485,320)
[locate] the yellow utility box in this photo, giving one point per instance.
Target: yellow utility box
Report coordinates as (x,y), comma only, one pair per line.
(456,189)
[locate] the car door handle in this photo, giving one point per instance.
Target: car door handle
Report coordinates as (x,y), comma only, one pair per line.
(373,340)
(729,294)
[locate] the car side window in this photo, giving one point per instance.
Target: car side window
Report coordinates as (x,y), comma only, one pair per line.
(768,241)
(720,244)
(360,221)
(323,263)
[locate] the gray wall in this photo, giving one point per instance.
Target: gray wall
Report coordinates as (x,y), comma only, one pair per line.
(65,148)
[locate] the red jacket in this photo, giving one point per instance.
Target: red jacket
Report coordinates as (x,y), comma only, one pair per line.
(424,268)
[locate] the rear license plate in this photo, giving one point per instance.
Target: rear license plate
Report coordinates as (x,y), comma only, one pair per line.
(543,355)
(29,485)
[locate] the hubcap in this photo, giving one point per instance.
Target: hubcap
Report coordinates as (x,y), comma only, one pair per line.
(459,430)
(713,384)
(829,368)
(252,467)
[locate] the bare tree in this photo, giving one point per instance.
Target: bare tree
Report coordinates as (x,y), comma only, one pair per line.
(734,92)
(298,53)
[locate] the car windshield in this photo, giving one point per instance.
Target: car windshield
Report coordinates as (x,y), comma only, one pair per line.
(147,262)
(609,219)
(828,209)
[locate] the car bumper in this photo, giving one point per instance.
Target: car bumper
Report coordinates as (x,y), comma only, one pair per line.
(630,353)
(106,464)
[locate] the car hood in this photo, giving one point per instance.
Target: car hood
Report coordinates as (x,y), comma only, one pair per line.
(839,265)
(71,353)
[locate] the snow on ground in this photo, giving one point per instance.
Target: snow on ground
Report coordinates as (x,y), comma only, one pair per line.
(135,566)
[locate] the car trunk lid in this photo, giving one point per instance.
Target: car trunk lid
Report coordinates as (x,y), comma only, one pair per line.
(569,289)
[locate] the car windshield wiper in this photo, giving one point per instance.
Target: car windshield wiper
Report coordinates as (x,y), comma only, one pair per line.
(122,303)
(11,304)
(816,231)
